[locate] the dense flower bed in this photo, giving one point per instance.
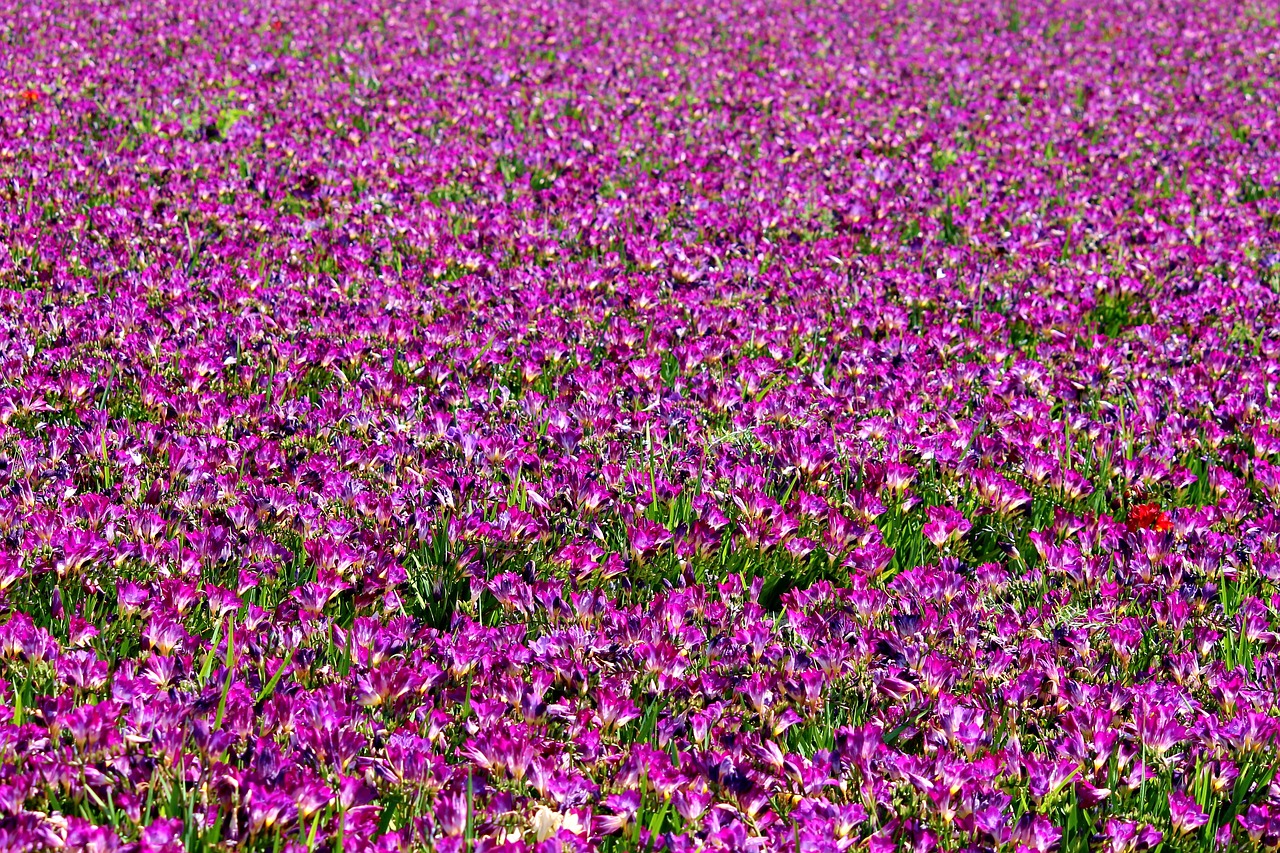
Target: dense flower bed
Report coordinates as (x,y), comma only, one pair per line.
(546,425)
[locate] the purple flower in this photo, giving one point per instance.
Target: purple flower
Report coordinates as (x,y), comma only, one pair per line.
(578,426)
(1185,814)
(945,525)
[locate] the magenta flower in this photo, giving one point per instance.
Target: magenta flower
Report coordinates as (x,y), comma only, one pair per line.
(574,426)
(646,538)
(1185,814)
(945,525)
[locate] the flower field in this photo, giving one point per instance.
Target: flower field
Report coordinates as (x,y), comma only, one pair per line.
(474,425)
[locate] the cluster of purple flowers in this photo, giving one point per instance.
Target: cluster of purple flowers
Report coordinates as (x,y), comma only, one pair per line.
(553,426)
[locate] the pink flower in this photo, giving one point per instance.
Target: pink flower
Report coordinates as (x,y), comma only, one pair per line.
(1185,814)
(945,525)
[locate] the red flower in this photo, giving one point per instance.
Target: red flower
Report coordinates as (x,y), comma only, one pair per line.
(29,96)
(1148,517)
